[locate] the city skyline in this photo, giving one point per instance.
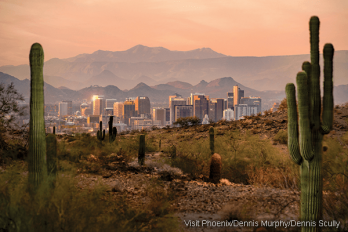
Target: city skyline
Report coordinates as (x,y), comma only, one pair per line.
(68,28)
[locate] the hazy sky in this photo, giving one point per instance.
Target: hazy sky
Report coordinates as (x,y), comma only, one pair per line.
(66,28)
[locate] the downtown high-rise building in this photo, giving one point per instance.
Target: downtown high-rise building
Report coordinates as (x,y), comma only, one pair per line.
(200,104)
(173,101)
(128,110)
(237,95)
(118,110)
(142,106)
(159,114)
(62,109)
(183,111)
(252,101)
(70,109)
(98,104)
(216,108)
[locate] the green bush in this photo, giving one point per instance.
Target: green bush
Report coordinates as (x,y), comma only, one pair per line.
(281,137)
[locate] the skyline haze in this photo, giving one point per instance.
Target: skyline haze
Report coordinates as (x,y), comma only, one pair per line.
(235,28)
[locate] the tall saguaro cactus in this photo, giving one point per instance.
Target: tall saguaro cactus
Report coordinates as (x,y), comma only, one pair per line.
(101,132)
(37,165)
(141,153)
(305,146)
(112,130)
(211,139)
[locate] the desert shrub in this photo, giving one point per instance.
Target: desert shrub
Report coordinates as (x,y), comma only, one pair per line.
(283,104)
(345,136)
(68,208)
(192,158)
(281,137)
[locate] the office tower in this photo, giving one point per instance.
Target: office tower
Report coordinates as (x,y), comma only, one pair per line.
(142,106)
(183,111)
(228,114)
(118,110)
(225,104)
(216,108)
(200,104)
(244,110)
(237,95)
(62,109)
(70,110)
(128,111)
(252,101)
(167,117)
(109,106)
(230,101)
(173,101)
(159,114)
(98,104)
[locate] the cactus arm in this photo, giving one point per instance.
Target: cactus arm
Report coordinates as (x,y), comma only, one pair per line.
(307,67)
(305,136)
(327,117)
(37,164)
(103,135)
(314,24)
(292,124)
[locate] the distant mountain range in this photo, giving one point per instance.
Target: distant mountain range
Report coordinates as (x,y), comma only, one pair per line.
(217,88)
(156,65)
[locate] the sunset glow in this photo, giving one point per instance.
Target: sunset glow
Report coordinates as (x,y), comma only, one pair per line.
(66,28)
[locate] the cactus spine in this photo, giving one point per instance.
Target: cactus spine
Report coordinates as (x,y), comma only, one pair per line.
(211,136)
(306,150)
(112,130)
(141,153)
(37,136)
(100,134)
(215,168)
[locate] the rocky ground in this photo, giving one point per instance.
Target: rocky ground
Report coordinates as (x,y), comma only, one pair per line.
(198,199)
(203,201)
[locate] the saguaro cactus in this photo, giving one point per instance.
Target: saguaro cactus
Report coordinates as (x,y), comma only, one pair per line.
(141,153)
(211,136)
(112,130)
(37,136)
(215,168)
(54,130)
(306,146)
(101,132)
(52,160)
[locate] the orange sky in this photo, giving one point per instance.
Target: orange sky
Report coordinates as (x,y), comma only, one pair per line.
(66,28)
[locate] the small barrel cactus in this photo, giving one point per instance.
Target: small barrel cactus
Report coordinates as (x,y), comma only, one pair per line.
(215,168)
(141,153)
(211,137)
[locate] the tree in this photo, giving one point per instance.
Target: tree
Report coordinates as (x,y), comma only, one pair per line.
(9,110)
(9,107)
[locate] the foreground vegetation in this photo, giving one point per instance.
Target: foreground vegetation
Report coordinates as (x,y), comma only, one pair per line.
(247,158)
